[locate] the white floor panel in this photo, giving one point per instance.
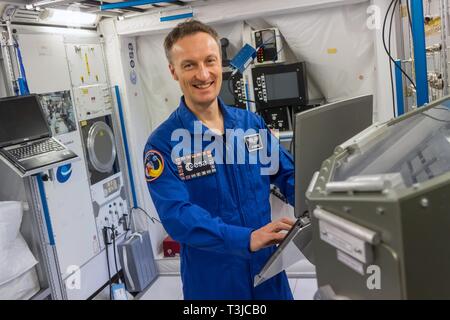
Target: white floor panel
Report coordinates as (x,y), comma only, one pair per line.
(292,284)
(164,288)
(305,289)
(170,288)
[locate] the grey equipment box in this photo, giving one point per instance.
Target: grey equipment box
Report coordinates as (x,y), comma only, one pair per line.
(380,211)
(138,263)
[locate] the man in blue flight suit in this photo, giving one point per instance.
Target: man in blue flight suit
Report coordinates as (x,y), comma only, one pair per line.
(217,209)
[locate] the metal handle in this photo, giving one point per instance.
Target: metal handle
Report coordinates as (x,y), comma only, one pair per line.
(358,231)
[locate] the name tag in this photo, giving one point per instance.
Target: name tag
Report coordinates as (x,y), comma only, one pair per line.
(195,165)
(253,142)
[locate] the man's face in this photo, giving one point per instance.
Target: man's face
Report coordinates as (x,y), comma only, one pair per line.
(196,64)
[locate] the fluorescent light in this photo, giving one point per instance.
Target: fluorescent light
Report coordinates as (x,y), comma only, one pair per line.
(71,18)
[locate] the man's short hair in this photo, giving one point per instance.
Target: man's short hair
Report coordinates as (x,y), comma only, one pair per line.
(187,28)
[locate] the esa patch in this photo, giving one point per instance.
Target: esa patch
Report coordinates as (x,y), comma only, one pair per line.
(154,165)
(195,165)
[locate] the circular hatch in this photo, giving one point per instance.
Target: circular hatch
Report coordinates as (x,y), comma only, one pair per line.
(101,147)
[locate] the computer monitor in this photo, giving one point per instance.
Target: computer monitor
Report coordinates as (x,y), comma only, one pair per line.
(318,132)
(21,119)
(280,86)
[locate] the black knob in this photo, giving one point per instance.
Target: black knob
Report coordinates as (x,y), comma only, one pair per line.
(224,44)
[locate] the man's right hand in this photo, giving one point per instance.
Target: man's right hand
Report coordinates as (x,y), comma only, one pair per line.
(270,234)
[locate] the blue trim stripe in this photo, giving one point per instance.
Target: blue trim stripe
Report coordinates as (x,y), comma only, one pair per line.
(399,87)
(127,4)
(177,17)
(22,81)
(420,58)
(48,221)
(125,142)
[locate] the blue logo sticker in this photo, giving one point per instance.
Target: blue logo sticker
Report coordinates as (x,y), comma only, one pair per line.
(63,173)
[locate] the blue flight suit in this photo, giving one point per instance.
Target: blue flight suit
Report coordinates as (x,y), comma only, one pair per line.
(212,216)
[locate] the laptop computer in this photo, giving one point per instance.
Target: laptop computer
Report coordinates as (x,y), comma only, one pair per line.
(26,142)
(317,133)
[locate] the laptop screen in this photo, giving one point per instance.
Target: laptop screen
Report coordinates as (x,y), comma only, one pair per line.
(21,119)
(318,132)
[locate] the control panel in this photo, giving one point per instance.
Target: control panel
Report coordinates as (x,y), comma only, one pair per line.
(92,101)
(277,118)
(269,46)
(110,208)
(233,91)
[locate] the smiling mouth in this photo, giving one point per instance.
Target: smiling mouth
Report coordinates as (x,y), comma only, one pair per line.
(204,85)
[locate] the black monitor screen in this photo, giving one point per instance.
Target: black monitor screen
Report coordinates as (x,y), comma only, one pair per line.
(21,118)
(282,86)
(225,93)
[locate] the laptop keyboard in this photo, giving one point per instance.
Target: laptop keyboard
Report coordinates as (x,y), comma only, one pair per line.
(35,149)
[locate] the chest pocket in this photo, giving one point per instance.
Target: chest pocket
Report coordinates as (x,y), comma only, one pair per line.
(204,192)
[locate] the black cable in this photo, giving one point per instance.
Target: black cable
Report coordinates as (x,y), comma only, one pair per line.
(105,235)
(281,49)
(131,215)
(390,62)
(409,14)
(267,42)
(386,49)
(114,250)
(408,10)
(145,212)
(230,89)
(389,49)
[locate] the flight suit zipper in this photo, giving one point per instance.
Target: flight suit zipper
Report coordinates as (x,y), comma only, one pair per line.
(234,186)
(243,222)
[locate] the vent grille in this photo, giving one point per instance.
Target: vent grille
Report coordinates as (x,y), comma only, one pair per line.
(23,15)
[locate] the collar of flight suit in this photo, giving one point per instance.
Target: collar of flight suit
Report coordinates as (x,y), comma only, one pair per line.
(188,118)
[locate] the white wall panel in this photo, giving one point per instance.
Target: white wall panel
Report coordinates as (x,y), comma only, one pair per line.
(137,119)
(44,59)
